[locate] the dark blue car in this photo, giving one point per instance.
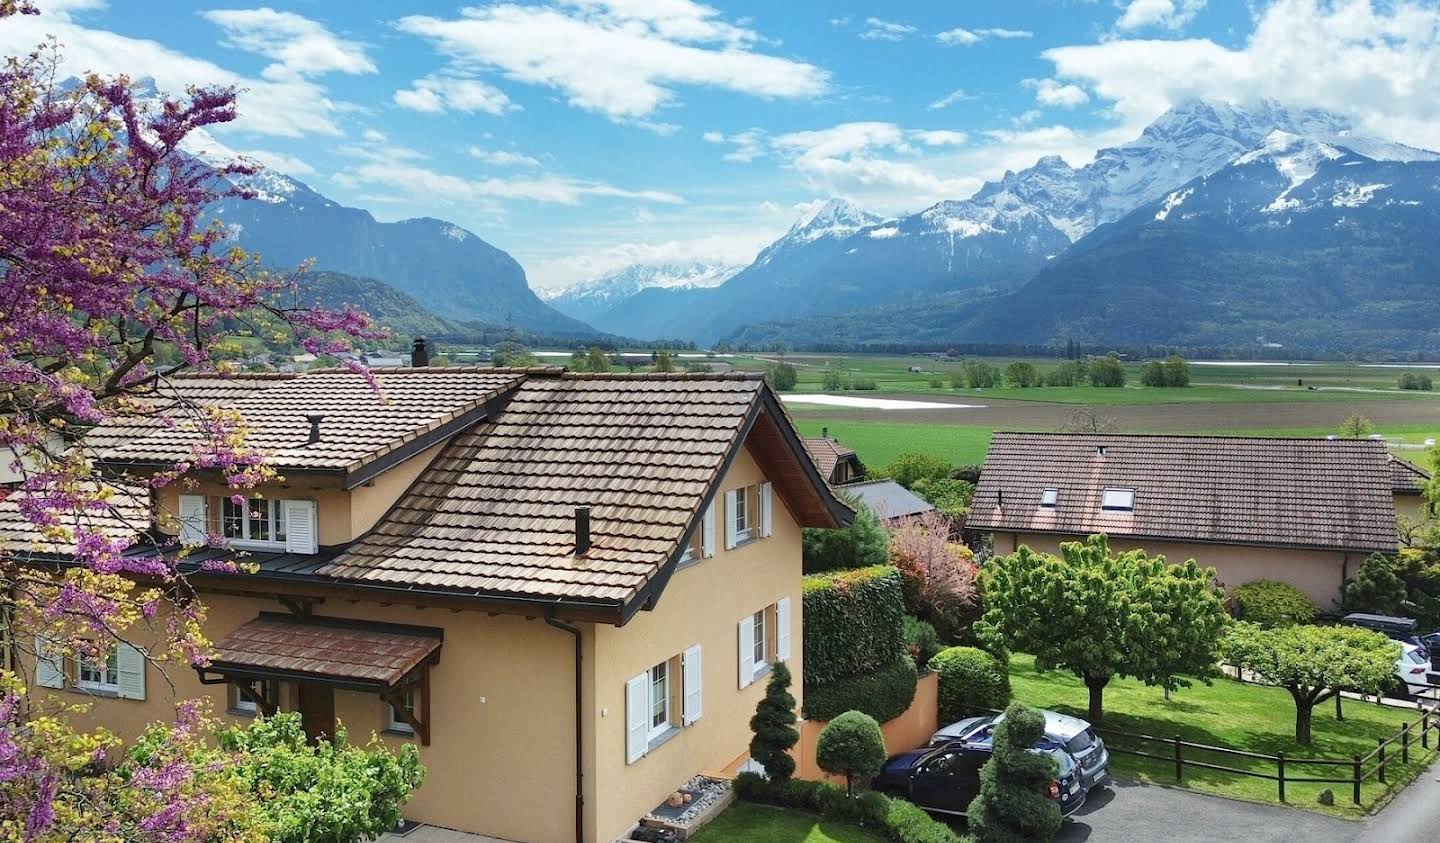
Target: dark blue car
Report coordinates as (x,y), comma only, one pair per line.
(945,779)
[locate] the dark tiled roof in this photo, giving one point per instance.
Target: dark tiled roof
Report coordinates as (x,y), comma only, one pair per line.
(326,649)
(146,412)
(495,510)
(827,454)
(1407,478)
(887,499)
(1229,490)
(125,515)
(360,425)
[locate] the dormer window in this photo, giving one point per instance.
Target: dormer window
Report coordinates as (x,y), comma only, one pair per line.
(253,521)
(1049,498)
(1118,500)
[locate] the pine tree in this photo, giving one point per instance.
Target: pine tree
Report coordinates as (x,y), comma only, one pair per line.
(1014,802)
(774,727)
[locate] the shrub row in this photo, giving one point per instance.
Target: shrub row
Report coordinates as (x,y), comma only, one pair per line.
(898,820)
(970,679)
(1271,603)
(883,694)
(854,623)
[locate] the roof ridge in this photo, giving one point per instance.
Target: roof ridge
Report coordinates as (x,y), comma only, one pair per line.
(214,374)
(411,370)
(1226,437)
(665,376)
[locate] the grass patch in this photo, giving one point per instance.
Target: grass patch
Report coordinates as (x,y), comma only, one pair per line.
(878,443)
(1239,716)
(764,824)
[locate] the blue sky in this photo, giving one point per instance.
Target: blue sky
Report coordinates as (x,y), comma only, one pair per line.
(580,135)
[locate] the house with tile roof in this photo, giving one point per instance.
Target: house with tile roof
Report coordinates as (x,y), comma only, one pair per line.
(1408,482)
(1302,511)
(566,589)
(838,464)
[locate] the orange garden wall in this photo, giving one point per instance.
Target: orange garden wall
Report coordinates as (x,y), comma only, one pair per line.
(908,731)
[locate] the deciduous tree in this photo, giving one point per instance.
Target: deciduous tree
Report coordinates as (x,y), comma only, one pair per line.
(1101,614)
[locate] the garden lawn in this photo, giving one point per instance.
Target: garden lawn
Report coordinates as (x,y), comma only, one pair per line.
(764,824)
(1237,715)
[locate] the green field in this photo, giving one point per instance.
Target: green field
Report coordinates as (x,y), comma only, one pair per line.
(878,443)
(1236,715)
(764,824)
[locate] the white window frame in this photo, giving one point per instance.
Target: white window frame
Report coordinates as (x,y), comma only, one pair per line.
(108,681)
(393,723)
(761,645)
(276,519)
(1117,500)
(1049,498)
(658,678)
(243,704)
(744,531)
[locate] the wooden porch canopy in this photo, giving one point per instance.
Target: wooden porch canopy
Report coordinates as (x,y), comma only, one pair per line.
(386,659)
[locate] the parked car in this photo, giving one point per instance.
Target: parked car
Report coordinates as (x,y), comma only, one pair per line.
(1399,629)
(945,779)
(1074,735)
(1413,670)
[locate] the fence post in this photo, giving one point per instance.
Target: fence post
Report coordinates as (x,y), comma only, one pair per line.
(1339,714)
(1381,749)
(1405,743)
(1179,763)
(1424,729)
(1280,757)
(1356,775)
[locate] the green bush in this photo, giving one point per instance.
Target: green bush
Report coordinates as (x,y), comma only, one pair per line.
(922,642)
(802,795)
(1013,803)
(970,679)
(874,808)
(883,694)
(852,746)
(901,821)
(752,787)
(782,376)
(774,726)
(1271,603)
(913,466)
(864,542)
(854,623)
(836,804)
(907,823)
(865,384)
(1376,587)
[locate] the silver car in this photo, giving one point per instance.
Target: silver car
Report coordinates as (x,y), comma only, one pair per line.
(1075,735)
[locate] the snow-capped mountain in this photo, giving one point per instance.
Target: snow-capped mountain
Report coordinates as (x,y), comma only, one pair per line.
(589,301)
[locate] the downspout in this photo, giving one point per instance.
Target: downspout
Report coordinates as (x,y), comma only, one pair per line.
(579,730)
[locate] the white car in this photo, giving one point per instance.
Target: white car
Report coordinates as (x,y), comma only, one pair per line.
(1411,668)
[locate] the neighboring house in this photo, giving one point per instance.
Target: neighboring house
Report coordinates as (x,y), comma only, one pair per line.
(566,589)
(1408,483)
(888,499)
(1302,511)
(837,463)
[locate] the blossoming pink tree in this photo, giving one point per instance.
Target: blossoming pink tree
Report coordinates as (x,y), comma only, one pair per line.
(111,282)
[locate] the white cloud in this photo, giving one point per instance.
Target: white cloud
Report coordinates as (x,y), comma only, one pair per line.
(298,45)
(875,163)
(884,30)
(957,95)
(840,22)
(502,158)
(556,272)
(622,58)
(287,164)
(1053,93)
(374,135)
(294,106)
(1378,64)
(749,144)
(1169,14)
(941,137)
(436,94)
(962,37)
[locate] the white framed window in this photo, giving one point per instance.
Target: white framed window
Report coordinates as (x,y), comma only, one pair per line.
(760,646)
(659,700)
(393,721)
(1049,498)
(242,704)
(253,521)
(764,637)
(748,514)
(742,515)
(1117,500)
(95,674)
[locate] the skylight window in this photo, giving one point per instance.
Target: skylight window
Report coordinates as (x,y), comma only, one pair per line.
(1049,497)
(1118,500)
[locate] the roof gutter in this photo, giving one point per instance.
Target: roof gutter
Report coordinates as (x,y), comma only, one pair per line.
(579,727)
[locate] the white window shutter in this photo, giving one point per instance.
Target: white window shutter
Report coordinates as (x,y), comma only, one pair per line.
(300,526)
(730,531)
(766,499)
(782,629)
(49,671)
(192,519)
(637,717)
(707,532)
(747,651)
(130,672)
(691,668)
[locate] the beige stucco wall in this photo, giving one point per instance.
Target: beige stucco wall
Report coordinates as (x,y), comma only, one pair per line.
(342,516)
(1318,573)
(501,758)
(703,604)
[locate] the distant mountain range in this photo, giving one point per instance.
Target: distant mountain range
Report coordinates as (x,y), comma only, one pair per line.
(591,301)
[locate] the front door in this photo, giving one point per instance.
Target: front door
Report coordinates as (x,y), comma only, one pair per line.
(317,710)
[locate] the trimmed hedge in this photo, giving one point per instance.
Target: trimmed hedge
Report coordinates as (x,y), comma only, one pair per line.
(970,679)
(883,694)
(1271,603)
(854,623)
(900,821)
(922,642)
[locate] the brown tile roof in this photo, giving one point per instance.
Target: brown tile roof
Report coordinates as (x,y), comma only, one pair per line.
(1229,490)
(147,411)
(827,454)
(127,515)
(1407,478)
(326,649)
(494,512)
(359,425)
